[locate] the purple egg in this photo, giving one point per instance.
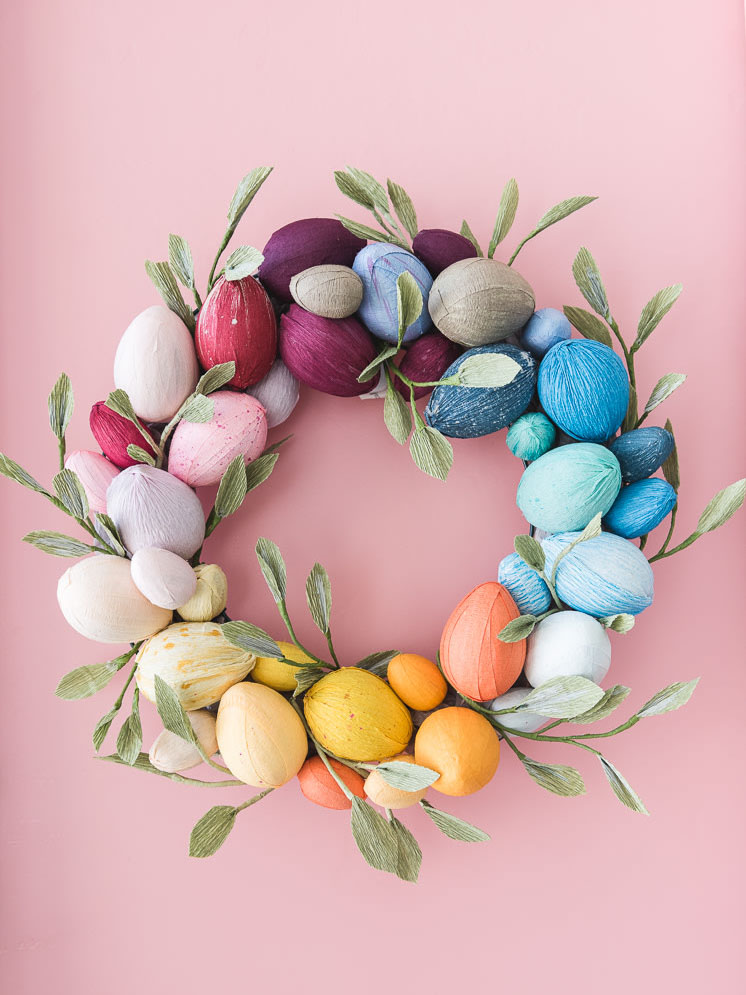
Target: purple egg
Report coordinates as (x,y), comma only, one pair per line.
(438,248)
(426,359)
(327,354)
(302,244)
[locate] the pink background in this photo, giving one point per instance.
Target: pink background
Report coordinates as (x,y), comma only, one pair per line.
(124,122)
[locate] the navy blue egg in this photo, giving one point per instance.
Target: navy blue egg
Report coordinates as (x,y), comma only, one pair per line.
(583,387)
(545,328)
(640,507)
(642,451)
(469,412)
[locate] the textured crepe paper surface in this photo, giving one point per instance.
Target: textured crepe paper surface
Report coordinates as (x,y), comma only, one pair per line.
(96,173)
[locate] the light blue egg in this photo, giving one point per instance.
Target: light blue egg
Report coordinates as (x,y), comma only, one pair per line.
(525,586)
(563,489)
(640,507)
(603,576)
(583,387)
(468,412)
(642,451)
(530,436)
(379,265)
(545,328)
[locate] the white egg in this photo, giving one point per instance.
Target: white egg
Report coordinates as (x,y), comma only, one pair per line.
(565,644)
(520,721)
(163,577)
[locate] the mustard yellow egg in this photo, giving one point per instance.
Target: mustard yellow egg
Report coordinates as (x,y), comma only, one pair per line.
(275,673)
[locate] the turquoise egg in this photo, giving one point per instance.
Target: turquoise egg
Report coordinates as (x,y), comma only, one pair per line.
(642,451)
(563,489)
(583,387)
(640,507)
(379,265)
(530,436)
(525,586)
(603,576)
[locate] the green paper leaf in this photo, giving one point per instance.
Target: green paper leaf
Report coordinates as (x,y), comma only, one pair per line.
(102,727)
(15,472)
(374,365)
(372,188)
(530,551)
(406,776)
(630,419)
(505,215)
(488,370)
(468,233)
(246,190)
(139,454)
(258,471)
(251,638)
(61,404)
(669,699)
(70,491)
(242,262)
(129,739)
(408,302)
(663,389)
(142,762)
(654,311)
(722,507)
(557,213)
(352,189)
(453,827)
(562,697)
(375,838)
(319,596)
(212,830)
(409,855)
(57,544)
(557,778)
(622,788)
(396,415)
(377,663)
(590,285)
(109,533)
(589,326)
(404,207)
(119,402)
(273,567)
(610,701)
(232,488)
(363,231)
(88,680)
(306,677)
(618,623)
(198,409)
(215,378)
(671,465)
(163,279)
(431,451)
(520,628)
(180,260)
(172,713)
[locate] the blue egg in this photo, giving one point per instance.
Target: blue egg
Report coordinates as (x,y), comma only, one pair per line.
(640,507)
(468,412)
(642,451)
(545,328)
(563,489)
(583,387)
(530,436)
(603,576)
(379,265)
(525,586)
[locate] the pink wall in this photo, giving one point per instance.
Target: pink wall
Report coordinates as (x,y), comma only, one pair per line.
(124,122)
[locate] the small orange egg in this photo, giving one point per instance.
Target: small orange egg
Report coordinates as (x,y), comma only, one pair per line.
(319,787)
(462,746)
(417,681)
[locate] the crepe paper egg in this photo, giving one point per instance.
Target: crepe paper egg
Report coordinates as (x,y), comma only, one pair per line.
(545,328)
(355,715)
(331,291)
(603,576)
(583,387)
(417,681)
(237,322)
(469,412)
(530,436)
(210,596)
(474,660)
(171,754)
(566,487)
(95,472)
(462,746)
(155,363)
(438,248)
(201,452)
(642,451)
(567,644)
(426,359)
(379,390)
(524,585)
(99,600)
(163,577)
(277,674)
(260,735)
(195,660)
(278,393)
(327,354)
(319,787)
(518,721)
(302,244)
(113,432)
(476,302)
(640,507)
(384,794)
(151,507)
(379,266)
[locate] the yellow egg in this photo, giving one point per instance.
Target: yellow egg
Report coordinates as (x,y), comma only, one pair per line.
(276,674)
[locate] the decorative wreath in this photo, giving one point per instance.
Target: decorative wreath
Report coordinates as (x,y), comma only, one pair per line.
(396,313)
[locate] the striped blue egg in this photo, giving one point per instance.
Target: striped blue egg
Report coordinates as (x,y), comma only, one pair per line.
(640,507)
(642,451)
(603,576)
(379,265)
(530,436)
(468,412)
(584,389)
(563,489)
(545,328)
(525,586)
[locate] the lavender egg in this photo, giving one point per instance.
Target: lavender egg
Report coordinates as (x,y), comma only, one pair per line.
(379,265)
(642,451)
(524,585)
(302,244)
(278,393)
(640,507)
(437,248)
(545,328)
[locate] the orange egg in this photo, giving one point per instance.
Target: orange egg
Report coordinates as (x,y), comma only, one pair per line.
(473,659)
(417,681)
(319,787)
(462,746)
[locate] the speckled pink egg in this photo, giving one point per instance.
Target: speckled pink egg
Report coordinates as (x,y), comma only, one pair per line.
(200,453)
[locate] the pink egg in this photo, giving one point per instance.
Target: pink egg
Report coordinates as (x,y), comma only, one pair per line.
(95,473)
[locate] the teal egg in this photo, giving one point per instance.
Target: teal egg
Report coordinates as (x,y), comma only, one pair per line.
(530,436)
(563,489)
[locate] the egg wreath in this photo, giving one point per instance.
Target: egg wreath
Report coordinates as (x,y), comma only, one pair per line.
(397,313)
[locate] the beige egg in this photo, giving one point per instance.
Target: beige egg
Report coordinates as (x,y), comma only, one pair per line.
(210,596)
(163,577)
(171,753)
(384,794)
(330,291)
